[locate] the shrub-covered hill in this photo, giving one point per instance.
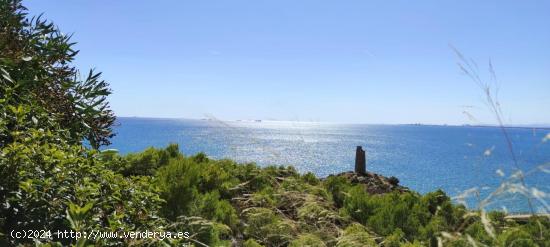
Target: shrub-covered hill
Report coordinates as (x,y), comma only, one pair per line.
(222,203)
(225,203)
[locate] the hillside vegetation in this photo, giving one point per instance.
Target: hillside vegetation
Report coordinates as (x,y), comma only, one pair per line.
(53,177)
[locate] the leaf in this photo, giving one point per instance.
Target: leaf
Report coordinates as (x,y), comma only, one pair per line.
(26,185)
(6,76)
(81,242)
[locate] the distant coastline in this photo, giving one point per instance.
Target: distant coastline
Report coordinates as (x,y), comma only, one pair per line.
(515,126)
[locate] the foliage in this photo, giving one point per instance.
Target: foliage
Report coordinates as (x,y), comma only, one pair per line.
(268,227)
(393,181)
(57,186)
(413,216)
(220,200)
(310,178)
(203,231)
(50,180)
(148,161)
(337,186)
(177,182)
(356,235)
(211,206)
(307,240)
(395,239)
(35,63)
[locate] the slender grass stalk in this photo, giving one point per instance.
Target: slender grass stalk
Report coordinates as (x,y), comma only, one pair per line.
(470,69)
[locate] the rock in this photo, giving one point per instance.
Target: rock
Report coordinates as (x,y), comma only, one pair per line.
(374,183)
(361,179)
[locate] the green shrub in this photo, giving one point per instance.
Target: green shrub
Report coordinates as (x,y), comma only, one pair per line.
(395,239)
(406,211)
(314,213)
(46,177)
(310,178)
(147,162)
(460,242)
(359,205)
(255,178)
(337,186)
(307,240)
(413,244)
(393,181)
(36,66)
(177,183)
(217,175)
(269,228)
(431,231)
(477,232)
(539,229)
(516,237)
(356,235)
(264,198)
(200,158)
(202,231)
(211,207)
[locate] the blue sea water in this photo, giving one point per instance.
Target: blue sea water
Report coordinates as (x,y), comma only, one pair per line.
(424,158)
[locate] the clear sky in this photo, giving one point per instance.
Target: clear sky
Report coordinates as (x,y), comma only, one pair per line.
(309,60)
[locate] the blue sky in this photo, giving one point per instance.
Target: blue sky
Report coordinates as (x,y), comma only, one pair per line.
(309,60)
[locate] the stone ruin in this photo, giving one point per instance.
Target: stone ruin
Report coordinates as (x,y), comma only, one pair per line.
(360,161)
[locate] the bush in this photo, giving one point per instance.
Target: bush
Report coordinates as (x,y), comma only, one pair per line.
(200,158)
(264,225)
(395,239)
(337,187)
(148,161)
(310,178)
(264,198)
(217,175)
(307,240)
(356,235)
(393,181)
(36,66)
(201,230)
(477,231)
(405,211)
(516,237)
(211,207)
(413,244)
(177,183)
(539,229)
(314,214)
(49,179)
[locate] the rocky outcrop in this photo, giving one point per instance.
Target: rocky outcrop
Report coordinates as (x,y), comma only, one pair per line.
(374,183)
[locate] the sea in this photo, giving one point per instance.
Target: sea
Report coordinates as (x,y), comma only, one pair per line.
(475,166)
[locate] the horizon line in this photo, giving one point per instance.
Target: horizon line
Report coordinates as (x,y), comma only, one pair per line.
(529,126)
